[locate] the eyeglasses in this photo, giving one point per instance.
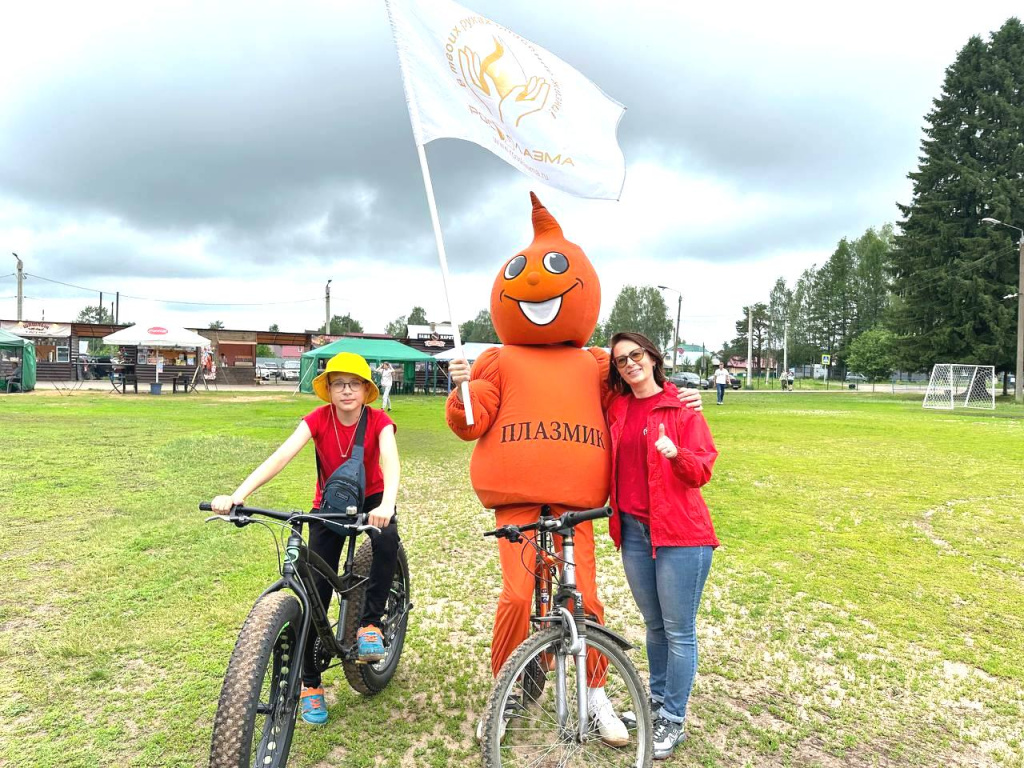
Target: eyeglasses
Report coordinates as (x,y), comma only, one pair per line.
(347,386)
(636,356)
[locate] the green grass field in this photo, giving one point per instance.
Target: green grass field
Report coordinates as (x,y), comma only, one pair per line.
(865,607)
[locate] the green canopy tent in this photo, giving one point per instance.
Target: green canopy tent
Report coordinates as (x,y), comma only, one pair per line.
(375,351)
(17,353)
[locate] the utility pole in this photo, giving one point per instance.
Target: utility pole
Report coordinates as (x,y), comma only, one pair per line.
(21,278)
(327,301)
(1018,387)
(750,345)
(99,315)
(117,308)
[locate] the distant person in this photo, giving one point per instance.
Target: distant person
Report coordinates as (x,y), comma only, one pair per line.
(223,360)
(386,380)
(721,382)
(347,388)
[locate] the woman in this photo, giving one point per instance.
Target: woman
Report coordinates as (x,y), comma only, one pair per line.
(346,387)
(386,380)
(662,453)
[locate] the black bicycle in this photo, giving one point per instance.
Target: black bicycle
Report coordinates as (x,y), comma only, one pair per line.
(259,700)
(539,713)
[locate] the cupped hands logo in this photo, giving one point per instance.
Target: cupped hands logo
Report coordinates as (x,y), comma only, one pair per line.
(500,83)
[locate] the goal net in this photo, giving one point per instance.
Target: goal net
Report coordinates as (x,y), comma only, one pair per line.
(961,386)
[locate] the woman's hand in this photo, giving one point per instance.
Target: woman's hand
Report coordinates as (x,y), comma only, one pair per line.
(665,446)
(222,504)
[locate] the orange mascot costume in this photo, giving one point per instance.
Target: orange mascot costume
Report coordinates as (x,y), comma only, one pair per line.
(537,403)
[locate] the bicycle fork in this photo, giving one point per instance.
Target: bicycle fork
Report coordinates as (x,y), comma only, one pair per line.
(572,622)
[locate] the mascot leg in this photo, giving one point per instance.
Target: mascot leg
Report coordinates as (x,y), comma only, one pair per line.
(512,620)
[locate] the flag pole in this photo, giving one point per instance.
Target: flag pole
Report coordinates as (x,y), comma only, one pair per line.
(444,273)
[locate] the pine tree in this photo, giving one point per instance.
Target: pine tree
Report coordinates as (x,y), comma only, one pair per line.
(949,270)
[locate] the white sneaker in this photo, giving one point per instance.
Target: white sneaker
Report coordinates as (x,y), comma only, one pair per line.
(613,730)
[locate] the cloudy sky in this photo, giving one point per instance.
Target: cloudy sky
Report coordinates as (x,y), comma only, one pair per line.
(238,155)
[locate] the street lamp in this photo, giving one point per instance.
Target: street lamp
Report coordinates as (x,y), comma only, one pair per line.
(1018,385)
(679,313)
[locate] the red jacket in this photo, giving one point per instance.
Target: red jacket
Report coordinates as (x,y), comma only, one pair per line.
(679,516)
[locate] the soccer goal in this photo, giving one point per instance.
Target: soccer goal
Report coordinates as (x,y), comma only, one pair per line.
(961,386)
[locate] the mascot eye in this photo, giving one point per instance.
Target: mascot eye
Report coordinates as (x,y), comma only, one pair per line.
(555,263)
(516,267)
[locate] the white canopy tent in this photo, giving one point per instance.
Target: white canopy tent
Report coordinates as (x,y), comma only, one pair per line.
(156,335)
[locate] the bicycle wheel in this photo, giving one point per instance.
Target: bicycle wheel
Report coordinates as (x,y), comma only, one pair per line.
(534,735)
(256,712)
(373,678)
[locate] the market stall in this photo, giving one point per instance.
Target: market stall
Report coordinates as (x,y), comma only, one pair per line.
(418,370)
(17,363)
(163,351)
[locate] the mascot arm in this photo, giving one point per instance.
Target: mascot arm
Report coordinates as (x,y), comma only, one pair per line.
(604,360)
(484,396)
(697,452)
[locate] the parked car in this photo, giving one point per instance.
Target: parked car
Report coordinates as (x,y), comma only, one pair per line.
(290,370)
(268,370)
(856,378)
(709,382)
(685,380)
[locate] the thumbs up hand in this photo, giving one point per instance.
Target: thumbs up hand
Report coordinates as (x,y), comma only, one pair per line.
(665,446)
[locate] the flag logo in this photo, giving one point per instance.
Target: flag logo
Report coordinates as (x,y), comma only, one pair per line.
(470,78)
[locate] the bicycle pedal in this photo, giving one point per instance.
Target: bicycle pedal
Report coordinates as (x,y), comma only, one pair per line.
(629,720)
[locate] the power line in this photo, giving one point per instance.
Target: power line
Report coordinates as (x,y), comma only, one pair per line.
(3,276)
(174,301)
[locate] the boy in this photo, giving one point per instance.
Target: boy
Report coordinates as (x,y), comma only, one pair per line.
(348,389)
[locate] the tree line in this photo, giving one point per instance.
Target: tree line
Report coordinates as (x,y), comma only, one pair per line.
(938,288)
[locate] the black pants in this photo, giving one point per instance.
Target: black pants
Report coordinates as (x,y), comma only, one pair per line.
(328,545)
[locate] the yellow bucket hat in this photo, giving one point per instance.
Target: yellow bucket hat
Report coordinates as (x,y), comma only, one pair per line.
(346,362)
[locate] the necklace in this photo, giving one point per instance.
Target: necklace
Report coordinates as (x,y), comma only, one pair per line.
(337,439)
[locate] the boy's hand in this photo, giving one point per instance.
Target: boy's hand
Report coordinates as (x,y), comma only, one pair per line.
(222,504)
(381,516)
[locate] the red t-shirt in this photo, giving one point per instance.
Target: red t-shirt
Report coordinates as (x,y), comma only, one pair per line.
(631,460)
(330,445)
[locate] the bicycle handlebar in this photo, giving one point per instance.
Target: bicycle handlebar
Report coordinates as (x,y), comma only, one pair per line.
(239,515)
(568,520)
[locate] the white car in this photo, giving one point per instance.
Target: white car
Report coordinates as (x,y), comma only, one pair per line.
(267,371)
(290,370)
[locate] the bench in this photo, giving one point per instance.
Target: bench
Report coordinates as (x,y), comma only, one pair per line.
(182,380)
(122,379)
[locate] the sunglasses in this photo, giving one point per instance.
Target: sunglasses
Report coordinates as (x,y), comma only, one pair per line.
(636,356)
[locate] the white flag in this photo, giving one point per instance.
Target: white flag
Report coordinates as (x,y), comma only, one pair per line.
(469,78)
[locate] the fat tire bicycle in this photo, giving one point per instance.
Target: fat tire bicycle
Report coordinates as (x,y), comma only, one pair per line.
(538,714)
(258,704)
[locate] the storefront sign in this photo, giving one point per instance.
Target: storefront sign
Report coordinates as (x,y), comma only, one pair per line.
(28,329)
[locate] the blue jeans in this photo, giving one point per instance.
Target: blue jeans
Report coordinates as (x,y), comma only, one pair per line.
(667,589)
(721,392)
